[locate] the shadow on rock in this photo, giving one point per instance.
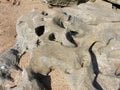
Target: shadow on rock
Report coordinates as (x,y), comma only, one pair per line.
(45,80)
(95,68)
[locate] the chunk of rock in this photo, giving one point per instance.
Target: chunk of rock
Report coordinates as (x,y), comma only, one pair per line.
(82,42)
(115,1)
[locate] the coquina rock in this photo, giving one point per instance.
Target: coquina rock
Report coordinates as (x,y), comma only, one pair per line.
(81,42)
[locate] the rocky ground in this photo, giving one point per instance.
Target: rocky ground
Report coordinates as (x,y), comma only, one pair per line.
(9,14)
(59,48)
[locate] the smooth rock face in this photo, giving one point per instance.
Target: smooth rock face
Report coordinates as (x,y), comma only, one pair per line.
(82,42)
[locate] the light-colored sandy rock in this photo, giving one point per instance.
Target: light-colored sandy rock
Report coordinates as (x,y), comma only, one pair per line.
(109,82)
(82,42)
(115,1)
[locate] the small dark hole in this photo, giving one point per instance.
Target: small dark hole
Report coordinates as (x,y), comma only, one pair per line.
(52,37)
(70,38)
(64,13)
(39,30)
(38,42)
(73,33)
(13,86)
(81,1)
(82,64)
(70,18)
(44,13)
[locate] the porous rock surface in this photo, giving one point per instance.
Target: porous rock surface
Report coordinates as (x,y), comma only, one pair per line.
(81,42)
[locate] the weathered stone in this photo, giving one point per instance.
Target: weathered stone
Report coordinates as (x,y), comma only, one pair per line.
(82,42)
(26,84)
(65,3)
(115,1)
(8,62)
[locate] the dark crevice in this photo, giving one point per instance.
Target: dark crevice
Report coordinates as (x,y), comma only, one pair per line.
(70,38)
(13,86)
(10,59)
(52,37)
(18,68)
(18,57)
(15,62)
(16,53)
(59,3)
(109,41)
(6,75)
(58,22)
(22,54)
(45,80)
(70,18)
(38,43)
(81,1)
(39,30)
(116,73)
(116,6)
(82,64)
(95,68)
(73,33)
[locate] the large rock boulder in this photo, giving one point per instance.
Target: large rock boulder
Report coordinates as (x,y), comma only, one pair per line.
(81,42)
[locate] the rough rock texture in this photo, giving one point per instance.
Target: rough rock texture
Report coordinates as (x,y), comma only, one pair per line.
(64,3)
(115,1)
(81,42)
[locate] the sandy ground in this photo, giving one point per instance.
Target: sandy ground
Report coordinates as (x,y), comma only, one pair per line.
(9,13)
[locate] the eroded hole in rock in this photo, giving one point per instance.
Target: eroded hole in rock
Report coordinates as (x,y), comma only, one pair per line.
(82,65)
(70,38)
(81,1)
(73,33)
(58,22)
(95,67)
(115,6)
(40,30)
(70,18)
(12,86)
(52,37)
(44,80)
(44,13)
